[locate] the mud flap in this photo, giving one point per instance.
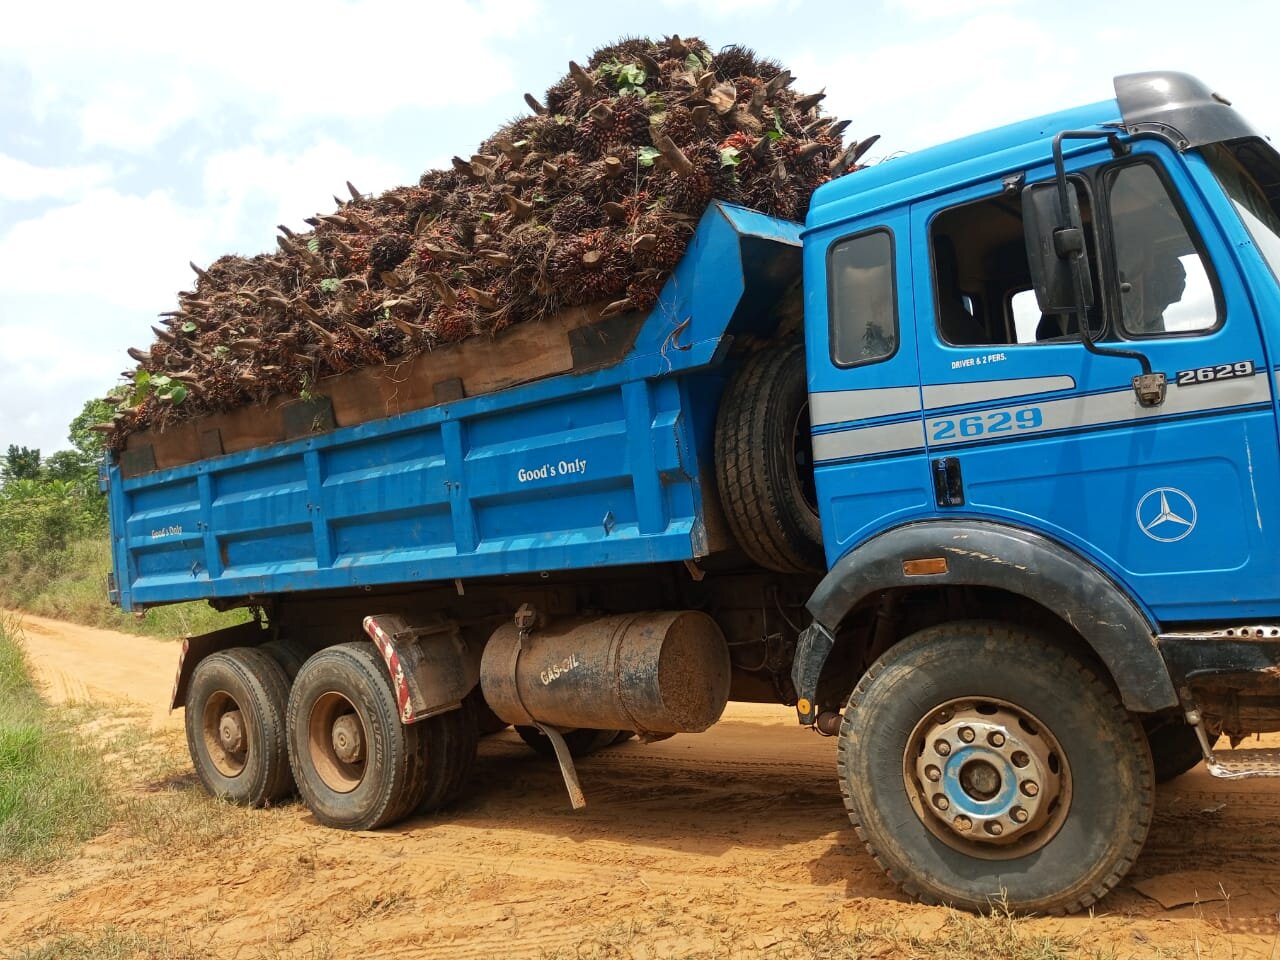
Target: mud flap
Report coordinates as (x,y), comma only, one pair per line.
(430,667)
(816,643)
(195,649)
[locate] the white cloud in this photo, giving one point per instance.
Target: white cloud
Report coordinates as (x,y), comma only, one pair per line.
(132,251)
(259,188)
(135,74)
(132,115)
(49,369)
(721,9)
(949,91)
(128,251)
(50,357)
(947,9)
(20,180)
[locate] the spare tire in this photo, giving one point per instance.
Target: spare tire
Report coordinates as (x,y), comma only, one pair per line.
(764,461)
(581,742)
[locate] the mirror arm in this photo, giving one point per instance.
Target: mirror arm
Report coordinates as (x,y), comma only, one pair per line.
(1064,214)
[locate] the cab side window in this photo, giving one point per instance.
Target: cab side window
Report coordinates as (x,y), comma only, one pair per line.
(1164,286)
(861,299)
(982,280)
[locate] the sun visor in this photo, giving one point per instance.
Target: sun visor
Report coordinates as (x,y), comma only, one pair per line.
(1179,108)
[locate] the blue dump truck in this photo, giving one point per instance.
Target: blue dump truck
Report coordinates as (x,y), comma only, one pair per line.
(978,469)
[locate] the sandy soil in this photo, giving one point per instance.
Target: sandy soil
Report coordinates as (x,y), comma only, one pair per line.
(733,842)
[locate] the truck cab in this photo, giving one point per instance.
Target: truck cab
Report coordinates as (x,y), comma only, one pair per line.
(935,374)
(1060,415)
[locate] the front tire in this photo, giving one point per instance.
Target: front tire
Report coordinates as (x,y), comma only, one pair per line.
(982,764)
(236,728)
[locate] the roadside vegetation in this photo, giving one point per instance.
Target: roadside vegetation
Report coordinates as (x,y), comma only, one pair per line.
(52,791)
(55,550)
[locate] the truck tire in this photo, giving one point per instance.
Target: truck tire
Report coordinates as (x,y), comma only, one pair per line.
(454,737)
(957,755)
(764,462)
(581,742)
(235,723)
(1175,748)
(487,722)
(356,765)
(290,654)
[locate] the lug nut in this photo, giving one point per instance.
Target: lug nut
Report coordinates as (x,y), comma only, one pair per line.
(1019,815)
(1020,759)
(941,802)
(933,773)
(1030,787)
(995,738)
(966,734)
(942,748)
(994,829)
(962,823)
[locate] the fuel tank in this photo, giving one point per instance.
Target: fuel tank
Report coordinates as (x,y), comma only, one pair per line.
(653,672)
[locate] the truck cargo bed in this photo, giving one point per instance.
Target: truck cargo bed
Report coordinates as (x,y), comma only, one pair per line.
(578,470)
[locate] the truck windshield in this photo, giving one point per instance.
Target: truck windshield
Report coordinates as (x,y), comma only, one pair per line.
(1249,171)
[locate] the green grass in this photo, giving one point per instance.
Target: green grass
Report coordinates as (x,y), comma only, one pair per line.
(71,585)
(110,943)
(52,792)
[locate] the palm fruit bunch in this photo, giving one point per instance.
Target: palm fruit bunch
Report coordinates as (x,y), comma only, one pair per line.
(589,198)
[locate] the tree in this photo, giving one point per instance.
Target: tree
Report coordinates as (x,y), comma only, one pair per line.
(69,466)
(87,442)
(80,464)
(39,517)
(20,463)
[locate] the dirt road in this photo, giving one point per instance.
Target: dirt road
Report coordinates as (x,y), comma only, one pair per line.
(733,842)
(75,663)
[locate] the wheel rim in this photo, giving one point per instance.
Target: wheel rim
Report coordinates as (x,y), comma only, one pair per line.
(802,458)
(987,778)
(224,733)
(336,739)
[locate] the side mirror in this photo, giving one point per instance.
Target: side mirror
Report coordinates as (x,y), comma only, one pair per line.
(1055,250)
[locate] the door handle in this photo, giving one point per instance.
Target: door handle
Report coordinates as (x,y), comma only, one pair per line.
(948,484)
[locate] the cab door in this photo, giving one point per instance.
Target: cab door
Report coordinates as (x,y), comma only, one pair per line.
(868,442)
(1047,435)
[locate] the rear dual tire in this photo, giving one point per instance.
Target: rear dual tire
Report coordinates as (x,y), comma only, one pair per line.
(356,765)
(236,726)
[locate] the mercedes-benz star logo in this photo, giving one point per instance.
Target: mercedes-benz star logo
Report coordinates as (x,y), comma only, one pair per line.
(1166,514)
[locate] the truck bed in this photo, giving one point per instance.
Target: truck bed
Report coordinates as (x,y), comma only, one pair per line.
(574,471)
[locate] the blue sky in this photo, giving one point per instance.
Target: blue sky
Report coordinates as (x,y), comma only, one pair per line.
(137,136)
